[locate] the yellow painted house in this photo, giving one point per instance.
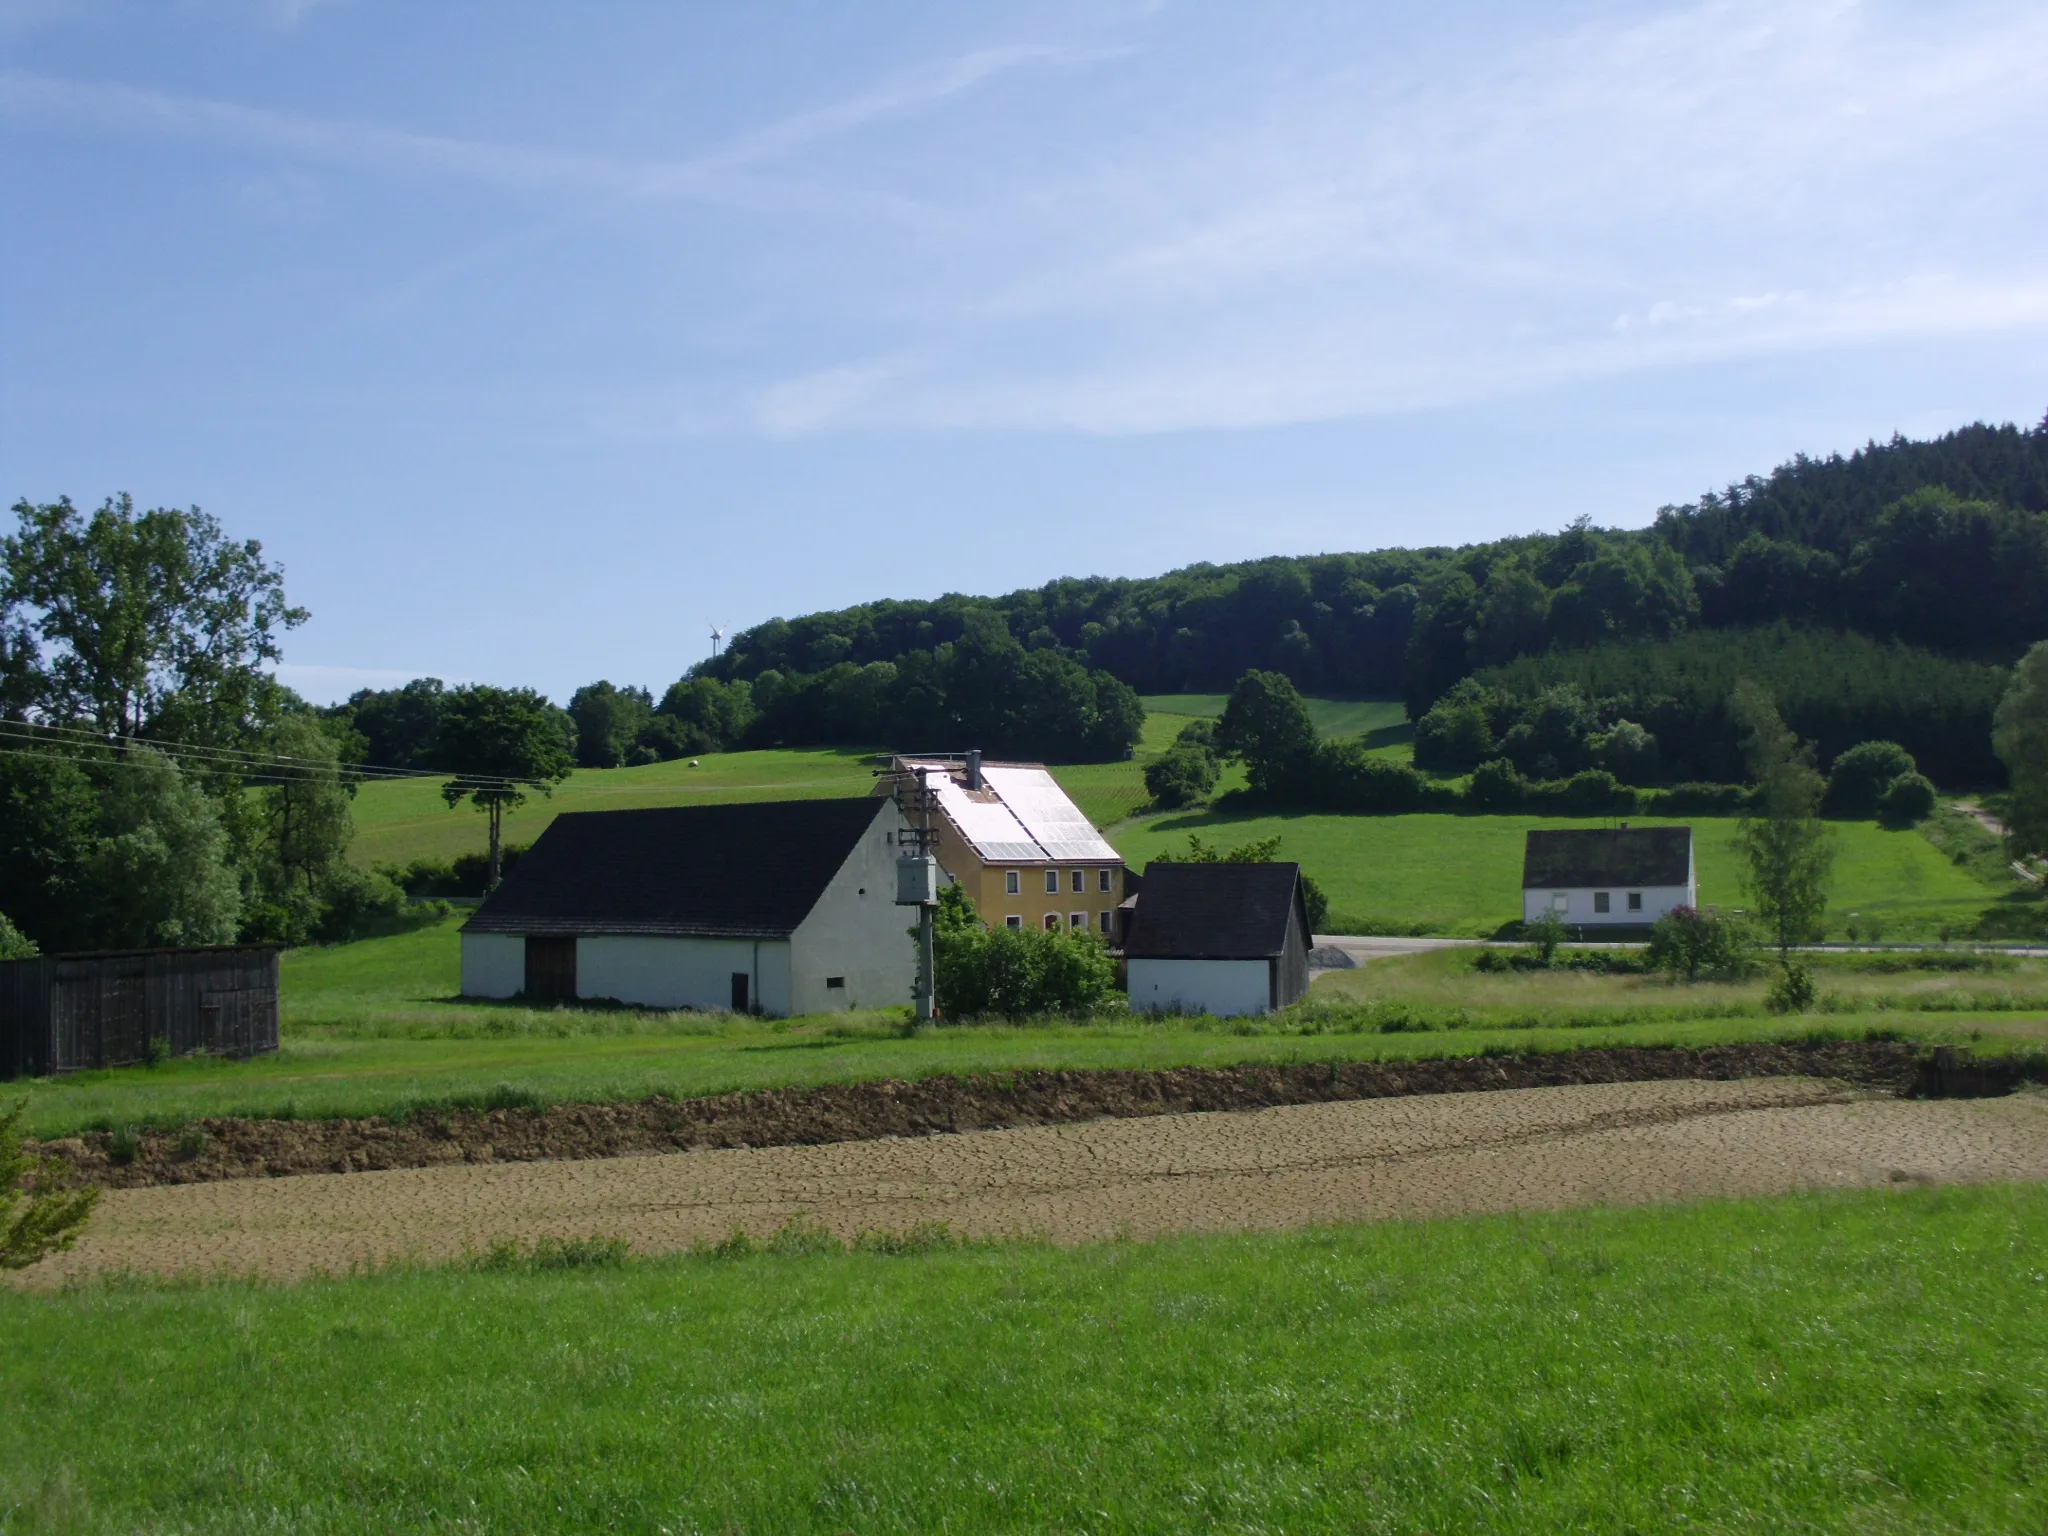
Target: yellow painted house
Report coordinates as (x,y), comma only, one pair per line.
(1008,833)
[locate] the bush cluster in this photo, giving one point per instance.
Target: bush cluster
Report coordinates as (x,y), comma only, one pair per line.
(1015,973)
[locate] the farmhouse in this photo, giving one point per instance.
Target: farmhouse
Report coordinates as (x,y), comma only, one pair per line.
(1620,876)
(1008,833)
(777,907)
(1218,938)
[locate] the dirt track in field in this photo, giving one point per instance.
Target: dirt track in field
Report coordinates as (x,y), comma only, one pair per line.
(1358,1160)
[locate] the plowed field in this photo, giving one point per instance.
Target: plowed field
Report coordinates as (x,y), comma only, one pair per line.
(1406,1157)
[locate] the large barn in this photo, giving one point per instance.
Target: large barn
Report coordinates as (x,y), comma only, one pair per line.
(1218,938)
(778,907)
(1595,877)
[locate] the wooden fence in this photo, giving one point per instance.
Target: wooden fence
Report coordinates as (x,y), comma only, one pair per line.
(64,1013)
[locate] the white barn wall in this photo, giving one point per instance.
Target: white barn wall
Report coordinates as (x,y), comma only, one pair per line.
(857,931)
(682,972)
(1221,987)
(493,965)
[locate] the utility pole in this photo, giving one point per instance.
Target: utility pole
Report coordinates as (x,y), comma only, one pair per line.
(917,884)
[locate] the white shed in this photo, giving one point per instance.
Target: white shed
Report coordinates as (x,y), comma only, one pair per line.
(1594,877)
(777,907)
(1224,939)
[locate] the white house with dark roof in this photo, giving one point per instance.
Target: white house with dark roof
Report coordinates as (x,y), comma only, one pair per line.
(1595,877)
(1225,939)
(776,907)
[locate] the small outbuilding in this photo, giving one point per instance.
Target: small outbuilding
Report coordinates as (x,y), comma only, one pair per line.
(66,1013)
(1608,876)
(778,907)
(1218,938)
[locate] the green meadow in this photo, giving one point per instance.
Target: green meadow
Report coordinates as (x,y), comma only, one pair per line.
(1837,1362)
(1462,875)
(377,1028)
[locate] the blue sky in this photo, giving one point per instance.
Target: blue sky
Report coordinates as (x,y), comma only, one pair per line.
(536,339)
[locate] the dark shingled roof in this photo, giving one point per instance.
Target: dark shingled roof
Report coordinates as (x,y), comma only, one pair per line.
(1215,912)
(718,871)
(1604,856)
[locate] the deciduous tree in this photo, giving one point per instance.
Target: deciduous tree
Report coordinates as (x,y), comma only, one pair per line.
(501,742)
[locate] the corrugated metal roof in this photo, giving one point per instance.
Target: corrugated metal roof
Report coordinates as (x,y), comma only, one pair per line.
(1053,821)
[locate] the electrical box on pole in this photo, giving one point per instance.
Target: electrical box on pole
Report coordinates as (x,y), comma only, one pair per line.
(917,880)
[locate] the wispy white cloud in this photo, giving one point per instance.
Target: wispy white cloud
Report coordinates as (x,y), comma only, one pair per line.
(1721,180)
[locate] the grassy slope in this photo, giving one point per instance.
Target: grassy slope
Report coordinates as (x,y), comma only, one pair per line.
(370,1028)
(1463,874)
(1821,1363)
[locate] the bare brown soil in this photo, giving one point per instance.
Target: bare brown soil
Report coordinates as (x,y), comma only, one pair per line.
(246,1149)
(1425,1155)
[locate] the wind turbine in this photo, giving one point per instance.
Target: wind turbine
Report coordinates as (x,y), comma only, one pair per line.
(717,634)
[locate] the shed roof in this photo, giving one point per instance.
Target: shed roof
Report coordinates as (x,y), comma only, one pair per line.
(1597,856)
(749,871)
(1216,912)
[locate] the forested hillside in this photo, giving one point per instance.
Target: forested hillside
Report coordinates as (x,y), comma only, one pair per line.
(1940,543)
(1913,573)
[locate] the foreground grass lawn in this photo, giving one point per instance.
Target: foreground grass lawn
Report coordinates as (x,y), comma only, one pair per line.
(1871,1362)
(1462,875)
(372,1028)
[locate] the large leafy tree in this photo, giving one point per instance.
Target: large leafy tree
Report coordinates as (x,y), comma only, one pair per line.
(609,720)
(501,742)
(160,873)
(1266,725)
(153,623)
(2021,739)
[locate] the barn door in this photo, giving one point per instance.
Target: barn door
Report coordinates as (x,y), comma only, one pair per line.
(551,970)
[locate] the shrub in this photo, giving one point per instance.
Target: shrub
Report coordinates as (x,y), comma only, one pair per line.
(1497,786)
(1595,792)
(1791,990)
(124,1145)
(1183,776)
(1699,800)
(14,944)
(1015,973)
(1907,799)
(1544,935)
(1347,778)
(37,1217)
(1687,941)
(1857,782)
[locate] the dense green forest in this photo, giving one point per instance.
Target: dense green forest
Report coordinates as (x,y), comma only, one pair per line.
(1879,594)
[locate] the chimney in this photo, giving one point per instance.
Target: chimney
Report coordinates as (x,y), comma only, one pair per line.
(974,769)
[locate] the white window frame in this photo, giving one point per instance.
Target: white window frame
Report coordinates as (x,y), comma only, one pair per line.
(1052,882)
(1108,882)
(1014,920)
(1080,882)
(1052,922)
(1105,921)
(1013,882)
(1603,903)
(1078,920)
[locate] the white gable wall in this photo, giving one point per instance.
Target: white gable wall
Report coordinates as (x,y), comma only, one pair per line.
(857,932)
(1221,987)
(493,965)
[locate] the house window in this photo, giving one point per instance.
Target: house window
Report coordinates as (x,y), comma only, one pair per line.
(1080,881)
(836,981)
(1108,880)
(1105,922)
(1599,901)
(1078,920)
(1635,901)
(1560,901)
(1012,883)
(1013,921)
(1052,882)
(1052,922)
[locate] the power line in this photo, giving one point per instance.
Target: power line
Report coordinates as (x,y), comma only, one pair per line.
(39,740)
